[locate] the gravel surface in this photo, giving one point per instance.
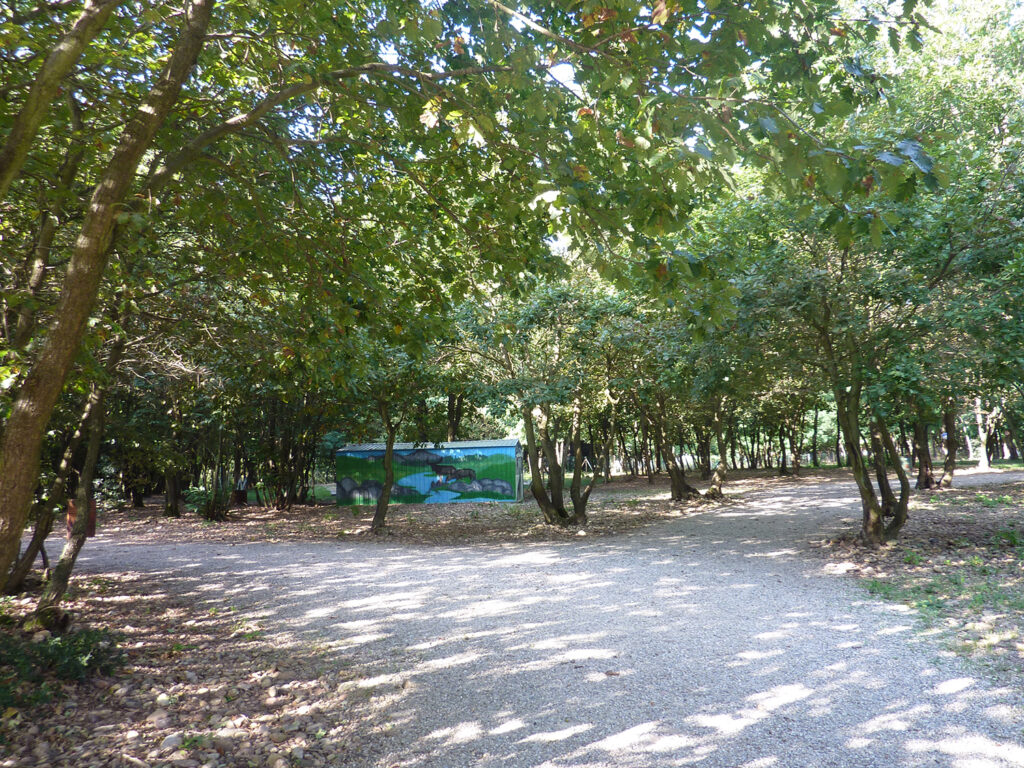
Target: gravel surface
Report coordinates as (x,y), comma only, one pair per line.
(710,640)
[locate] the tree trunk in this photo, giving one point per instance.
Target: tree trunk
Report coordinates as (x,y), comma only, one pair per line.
(647,458)
(922,450)
(680,489)
(878,455)
(899,516)
(848,408)
(30,413)
(949,466)
(172,493)
(796,447)
(36,270)
(47,614)
(839,455)
(979,416)
(46,509)
(456,407)
(1012,433)
(579,495)
(721,469)
(627,460)
(815,462)
(553,515)
(556,472)
(377,526)
(783,469)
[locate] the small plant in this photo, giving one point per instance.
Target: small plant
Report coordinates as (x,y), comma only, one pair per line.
(27,669)
(883,588)
(913,558)
(330,517)
(985,500)
(1008,537)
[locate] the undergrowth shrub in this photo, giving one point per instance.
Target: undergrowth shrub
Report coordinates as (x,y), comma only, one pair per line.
(28,670)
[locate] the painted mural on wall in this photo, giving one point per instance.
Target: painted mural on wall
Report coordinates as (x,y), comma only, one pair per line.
(430,476)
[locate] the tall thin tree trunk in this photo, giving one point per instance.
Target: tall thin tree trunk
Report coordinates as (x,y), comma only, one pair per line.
(379,514)
(839,454)
(979,416)
(814,441)
(579,495)
(783,470)
(721,469)
(47,613)
(949,465)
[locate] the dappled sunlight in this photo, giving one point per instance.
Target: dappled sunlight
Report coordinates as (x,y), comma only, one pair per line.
(561,735)
(458,734)
(972,751)
(710,640)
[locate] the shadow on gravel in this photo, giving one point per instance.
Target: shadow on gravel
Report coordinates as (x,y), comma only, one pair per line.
(708,641)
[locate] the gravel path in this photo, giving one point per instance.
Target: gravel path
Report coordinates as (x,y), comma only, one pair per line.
(712,640)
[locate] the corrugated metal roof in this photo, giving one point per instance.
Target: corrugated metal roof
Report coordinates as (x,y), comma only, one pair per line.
(352,448)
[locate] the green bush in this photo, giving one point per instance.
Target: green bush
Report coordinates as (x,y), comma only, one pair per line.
(28,669)
(207,503)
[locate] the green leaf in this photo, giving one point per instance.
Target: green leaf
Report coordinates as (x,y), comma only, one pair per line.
(876,231)
(894,39)
(917,155)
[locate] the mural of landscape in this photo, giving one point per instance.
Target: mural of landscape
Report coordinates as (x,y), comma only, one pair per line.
(431,475)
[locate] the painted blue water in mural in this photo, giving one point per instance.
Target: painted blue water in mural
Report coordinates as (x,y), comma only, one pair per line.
(431,475)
